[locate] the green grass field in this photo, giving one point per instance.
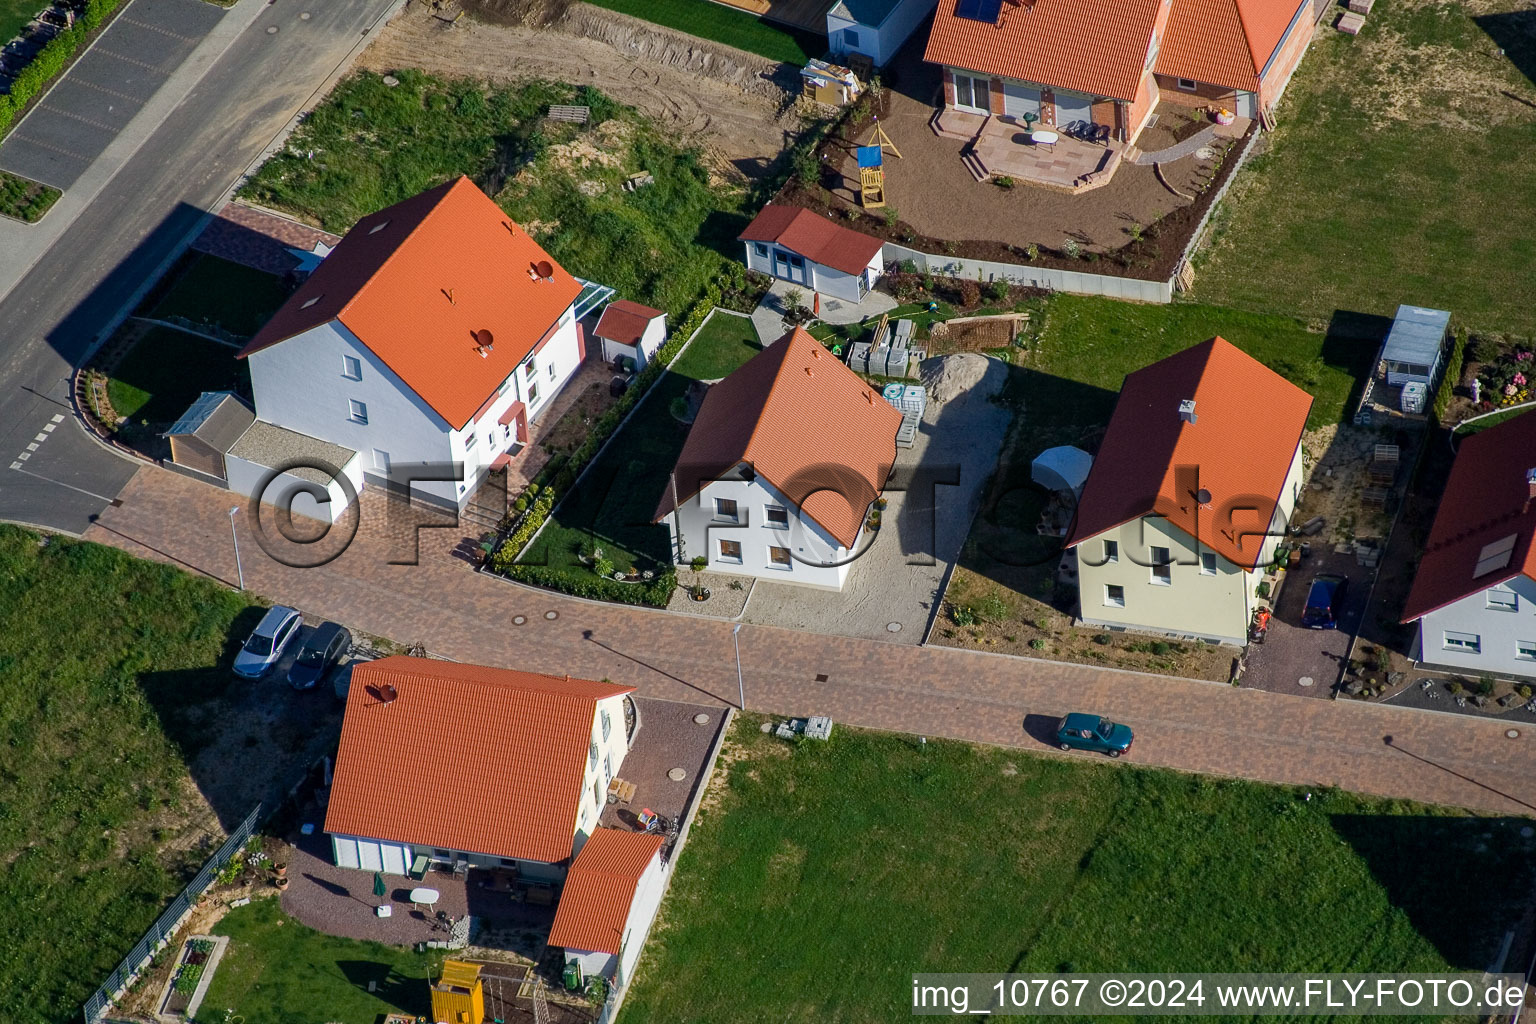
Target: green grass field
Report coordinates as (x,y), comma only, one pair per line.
(1399,173)
(725,25)
(209,290)
(828,873)
(278,970)
(107,662)
(14,15)
(614,503)
(166,369)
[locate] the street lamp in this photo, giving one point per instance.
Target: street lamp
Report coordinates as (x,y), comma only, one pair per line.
(740,686)
(236,538)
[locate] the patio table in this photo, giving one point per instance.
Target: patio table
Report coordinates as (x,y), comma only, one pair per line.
(423,895)
(1040,137)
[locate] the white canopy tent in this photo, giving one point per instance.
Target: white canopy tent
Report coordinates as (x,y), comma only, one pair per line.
(1062,469)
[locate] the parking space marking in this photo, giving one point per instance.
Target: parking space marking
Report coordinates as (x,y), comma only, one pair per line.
(50,428)
(83,120)
(58,418)
(157,28)
(37,441)
(15,465)
(101,88)
(29,140)
(131,60)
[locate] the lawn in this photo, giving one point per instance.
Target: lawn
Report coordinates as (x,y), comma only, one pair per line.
(14,15)
(1399,173)
(277,970)
(205,290)
(725,25)
(166,369)
(108,662)
(614,503)
(823,875)
(369,146)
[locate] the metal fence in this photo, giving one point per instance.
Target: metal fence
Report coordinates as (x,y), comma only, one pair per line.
(1198,237)
(169,921)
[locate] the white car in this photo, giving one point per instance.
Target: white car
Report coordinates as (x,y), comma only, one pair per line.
(267,641)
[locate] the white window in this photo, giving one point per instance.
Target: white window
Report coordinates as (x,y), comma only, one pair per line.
(725,508)
(528,367)
(607,768)
(551,371)
(469,441)
(597,794)
(533,392)
(1187,85)
(1111,551)
(352,367)
(357,412)
(730,551)
(1467,643)
(592,754)
(776,517)
(1162,569)
(779,558)
(607,723)
(1114,595)
(1503,598)
(1525,650)
(381,460)
(1207,563)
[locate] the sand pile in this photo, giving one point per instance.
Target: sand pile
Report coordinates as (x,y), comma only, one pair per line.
(950,377)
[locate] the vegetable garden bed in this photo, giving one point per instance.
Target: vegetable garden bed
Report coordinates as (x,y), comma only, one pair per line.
(188,983)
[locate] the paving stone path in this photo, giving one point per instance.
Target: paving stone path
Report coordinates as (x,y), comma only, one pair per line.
(933,691)
(1179,150)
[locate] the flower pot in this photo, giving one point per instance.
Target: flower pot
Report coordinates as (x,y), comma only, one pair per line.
(282,884)
(281,870)
(701,593)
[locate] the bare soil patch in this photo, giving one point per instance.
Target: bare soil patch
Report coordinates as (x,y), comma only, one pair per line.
(727,101)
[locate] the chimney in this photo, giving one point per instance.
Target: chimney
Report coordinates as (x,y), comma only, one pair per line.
(1187,410)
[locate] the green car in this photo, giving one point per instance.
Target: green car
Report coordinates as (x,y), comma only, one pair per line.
(1090,732)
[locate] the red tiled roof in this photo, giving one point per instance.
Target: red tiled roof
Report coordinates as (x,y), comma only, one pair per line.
(599,889)
(483,760)
(1241,448)
(814,237)
(1224,42)
(416,280)
(1098,47)
(624,321)
(805,423)
(1485,503)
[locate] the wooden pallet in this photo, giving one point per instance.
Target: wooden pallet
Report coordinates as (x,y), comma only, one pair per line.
(575,115)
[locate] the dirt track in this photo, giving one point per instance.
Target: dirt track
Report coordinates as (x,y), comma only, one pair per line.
(728,102)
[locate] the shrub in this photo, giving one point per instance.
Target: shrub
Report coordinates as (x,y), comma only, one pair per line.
(1453,367)
(1263,588)
(891,216)
(1159,648)
(970,293)
(520,505)
(1524,690)
(655,593)
(1037,643)
(996,290)
(962,615)
(1071,248)
(503,559)
(1485,684)
(1003,181)
(1031,251)
(1455,687)
(1102,639)
(603,567)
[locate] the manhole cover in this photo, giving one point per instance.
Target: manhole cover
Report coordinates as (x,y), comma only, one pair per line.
(1305,681)
(701,719)
(271,30)
(304,16)
(893,627)
(518,620)
(390,80)
(677,774)
(551,614)
(1205,153)
(1513,734)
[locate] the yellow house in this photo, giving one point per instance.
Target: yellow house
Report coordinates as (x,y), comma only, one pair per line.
(1191,491)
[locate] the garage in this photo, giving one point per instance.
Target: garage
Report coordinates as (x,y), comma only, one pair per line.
(1073,107)
(1020,99)
(371,854)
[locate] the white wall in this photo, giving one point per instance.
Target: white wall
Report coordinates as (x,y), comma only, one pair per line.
(650,340)
(1497,628)
(593,964)
(642,911)
(614,747)
(1073,281)
(702,532)
(880,43)
(292,492)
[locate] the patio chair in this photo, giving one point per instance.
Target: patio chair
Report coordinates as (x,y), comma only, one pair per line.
(1075,129)
(1101,135)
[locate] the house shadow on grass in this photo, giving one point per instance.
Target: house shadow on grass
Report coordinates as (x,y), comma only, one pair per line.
(407,994)
(1515,34)
(1461,881)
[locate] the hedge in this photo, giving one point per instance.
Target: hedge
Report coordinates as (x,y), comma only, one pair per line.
(1453,368)
(520,537)
(589,585)
(51,59)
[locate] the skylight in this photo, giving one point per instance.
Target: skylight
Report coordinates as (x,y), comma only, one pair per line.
(1494,556)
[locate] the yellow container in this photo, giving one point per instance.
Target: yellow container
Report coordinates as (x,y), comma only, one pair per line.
(458,996)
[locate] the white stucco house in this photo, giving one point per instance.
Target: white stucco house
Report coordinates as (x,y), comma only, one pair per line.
(1474,594)
(446,763)
(611,896)
(805,248)
(781,468)
(628,330)
(433,334)
(1189,495)
(874,28)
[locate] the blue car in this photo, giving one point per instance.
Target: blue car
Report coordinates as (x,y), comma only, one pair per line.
(1090,732)
(1324,602)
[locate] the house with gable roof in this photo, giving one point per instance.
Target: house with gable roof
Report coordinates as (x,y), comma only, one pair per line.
(781,467)
(1189,495)
(433,334)
(539,751)
(1108,62)
(1474,594)
(874,28)
(805,248)
(611,896)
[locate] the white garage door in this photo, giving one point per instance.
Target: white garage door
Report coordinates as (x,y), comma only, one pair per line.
(371,855)
(1071,107)
(1019,100)
(346,851)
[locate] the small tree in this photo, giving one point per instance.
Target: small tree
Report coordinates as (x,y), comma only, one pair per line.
(698,565)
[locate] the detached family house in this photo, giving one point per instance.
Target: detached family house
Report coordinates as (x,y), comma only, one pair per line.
(781,466)
(805,248)
(1191,491)
(1108,62)
(1474,596)
(443,763)
(433,334)
(874,28)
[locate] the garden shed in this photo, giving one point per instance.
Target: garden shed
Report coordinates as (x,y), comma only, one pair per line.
(1415,346)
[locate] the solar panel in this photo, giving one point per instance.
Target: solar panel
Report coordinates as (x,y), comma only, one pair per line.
(979,10)
(869,156)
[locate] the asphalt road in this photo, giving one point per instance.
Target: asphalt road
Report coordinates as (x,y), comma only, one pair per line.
(50,320)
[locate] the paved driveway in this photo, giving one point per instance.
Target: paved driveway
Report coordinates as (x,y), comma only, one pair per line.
(1291,655)
(63,135)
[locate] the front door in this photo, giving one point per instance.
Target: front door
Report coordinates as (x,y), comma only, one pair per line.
(973,93)
(789,266)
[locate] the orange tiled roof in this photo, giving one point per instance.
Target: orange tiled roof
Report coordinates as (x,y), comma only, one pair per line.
(624,321)
(1097,47)
(416,280)
(814,237)
(1224,42)
(1486,508)
(483,760)
(1248,422)
(599,888)
(805,423)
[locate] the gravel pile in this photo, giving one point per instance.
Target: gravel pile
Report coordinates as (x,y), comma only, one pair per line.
(950,377)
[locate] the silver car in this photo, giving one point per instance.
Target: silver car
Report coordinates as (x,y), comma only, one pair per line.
(267,641)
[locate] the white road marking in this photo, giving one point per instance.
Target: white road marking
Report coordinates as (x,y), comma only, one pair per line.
(50,428)
(41,437)
(58,418)
(15,465)
(24,456)
(32,447)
